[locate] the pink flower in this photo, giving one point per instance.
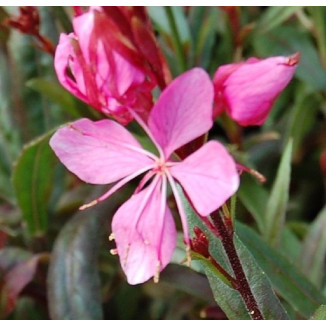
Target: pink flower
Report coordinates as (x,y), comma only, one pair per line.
(248,90)
(105,152)
(88,66)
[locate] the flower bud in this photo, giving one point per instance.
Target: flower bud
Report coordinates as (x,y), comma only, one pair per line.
(247,90)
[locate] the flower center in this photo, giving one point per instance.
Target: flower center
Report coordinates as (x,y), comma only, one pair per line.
(161,166)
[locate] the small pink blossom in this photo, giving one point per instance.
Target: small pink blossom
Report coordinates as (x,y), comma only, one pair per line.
(104,152)
(248,90)
(89,67)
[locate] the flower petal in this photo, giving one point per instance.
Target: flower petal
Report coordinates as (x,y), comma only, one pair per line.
(64,59)
(145,238)
(99,152)
(183,111)
(252,88)
(208,176)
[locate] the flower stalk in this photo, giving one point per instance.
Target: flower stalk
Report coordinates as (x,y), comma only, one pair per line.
(241,283)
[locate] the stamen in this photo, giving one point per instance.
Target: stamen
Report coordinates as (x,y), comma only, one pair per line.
(92,203)
(157,272)
(111,237)
(261,178)
(114,252)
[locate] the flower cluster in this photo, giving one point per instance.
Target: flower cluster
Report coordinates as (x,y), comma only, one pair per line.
(97,67)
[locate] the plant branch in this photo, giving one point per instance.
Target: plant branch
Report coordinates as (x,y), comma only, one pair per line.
(242,284)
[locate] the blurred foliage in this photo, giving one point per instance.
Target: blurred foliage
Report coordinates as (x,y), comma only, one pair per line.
(55,261)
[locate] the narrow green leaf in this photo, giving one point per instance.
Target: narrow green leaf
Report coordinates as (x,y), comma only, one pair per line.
(302,117)
(228,298)
(254,197)
(278,199)
(286,279)
(274,16)
(73,279)
(320,313)
(159,16)
(314,249)
(33,182)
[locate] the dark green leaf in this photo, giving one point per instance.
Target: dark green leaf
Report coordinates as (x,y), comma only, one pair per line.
(182,278)
(314,249)
(302,118)
(55,93)
(73,279)
(33,182)
(278,199)
(287,281)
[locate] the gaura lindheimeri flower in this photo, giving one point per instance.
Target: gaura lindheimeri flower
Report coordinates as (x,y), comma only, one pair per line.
(104,152)
(89,67)
(248,90)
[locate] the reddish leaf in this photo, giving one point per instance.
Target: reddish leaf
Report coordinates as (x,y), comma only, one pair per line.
(3,239)
(14,282)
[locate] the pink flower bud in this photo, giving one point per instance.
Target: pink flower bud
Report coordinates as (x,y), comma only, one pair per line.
(247,91)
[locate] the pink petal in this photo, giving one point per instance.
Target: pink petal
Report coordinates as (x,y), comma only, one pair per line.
(99,152)
(114,74)
(145,238)
(183,111)
(65,59)
(208,176)
(251,89)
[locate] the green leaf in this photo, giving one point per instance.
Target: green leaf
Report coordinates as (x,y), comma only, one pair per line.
(278,199)
(228,298)
(319,17)
(302,117)
(320,313)
(274,16)
(73,279)
(288,282)
(33,182)
(314,249)
(55,93)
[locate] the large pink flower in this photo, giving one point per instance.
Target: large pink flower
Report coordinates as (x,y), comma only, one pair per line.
(247,90)
(89,67)
(105,152)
